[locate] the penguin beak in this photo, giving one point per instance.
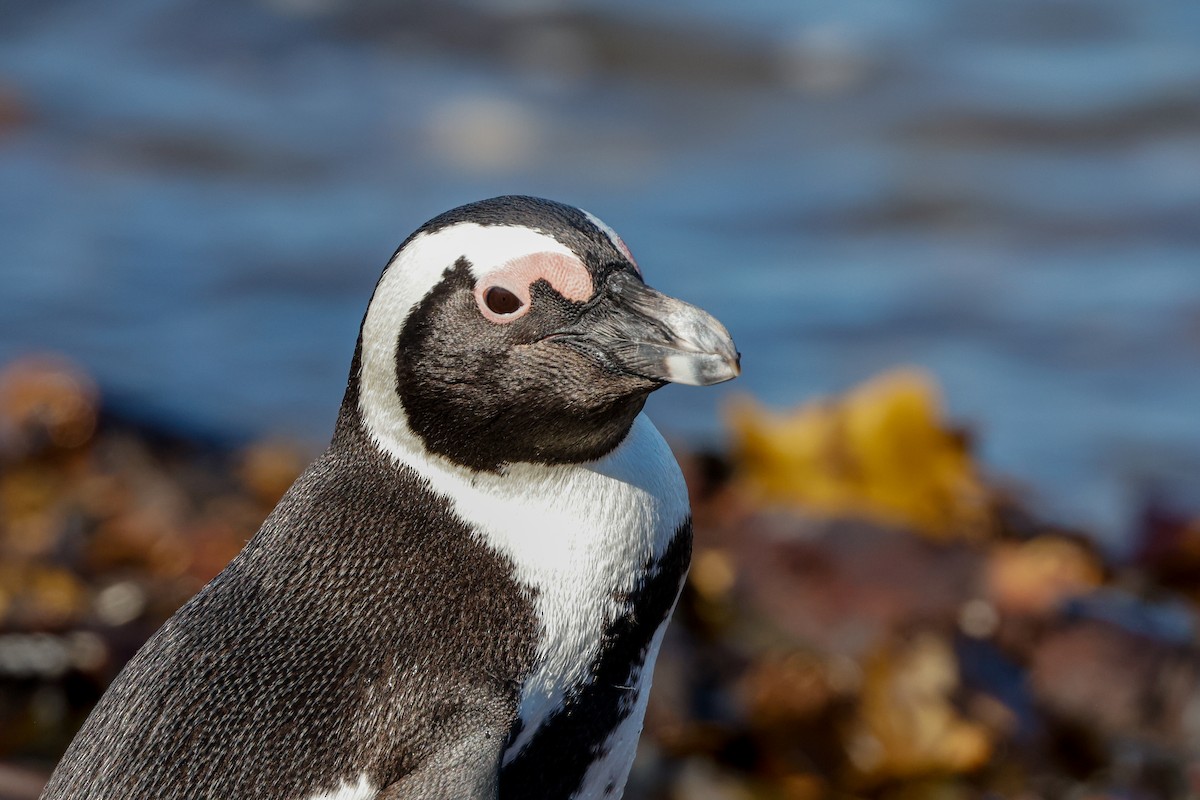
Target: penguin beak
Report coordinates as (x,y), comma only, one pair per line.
(646,333)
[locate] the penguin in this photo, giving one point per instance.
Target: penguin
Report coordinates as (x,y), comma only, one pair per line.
(464,595)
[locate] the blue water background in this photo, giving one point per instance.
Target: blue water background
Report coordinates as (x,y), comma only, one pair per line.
(197,197)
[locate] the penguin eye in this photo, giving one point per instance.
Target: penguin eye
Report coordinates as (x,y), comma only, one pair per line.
(501,301)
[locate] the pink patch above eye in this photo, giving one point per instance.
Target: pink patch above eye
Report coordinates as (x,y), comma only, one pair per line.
(566,275)
(620,243)
(616,240)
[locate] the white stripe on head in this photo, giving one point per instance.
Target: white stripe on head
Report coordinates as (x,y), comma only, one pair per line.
(407,279)
(616,240)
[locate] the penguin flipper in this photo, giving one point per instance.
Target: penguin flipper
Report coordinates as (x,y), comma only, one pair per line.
(465,765)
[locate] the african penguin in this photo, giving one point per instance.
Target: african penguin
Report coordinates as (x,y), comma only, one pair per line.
(464,596)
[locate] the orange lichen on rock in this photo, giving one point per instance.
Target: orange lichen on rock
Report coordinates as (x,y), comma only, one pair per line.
(881,452)
(780,689)
(907,725)
(39,597)
(1036,576)
(46,398)
(268,468)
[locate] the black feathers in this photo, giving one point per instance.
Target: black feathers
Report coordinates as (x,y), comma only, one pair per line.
(375,637)
(346,638)
(553,764)
(484,395)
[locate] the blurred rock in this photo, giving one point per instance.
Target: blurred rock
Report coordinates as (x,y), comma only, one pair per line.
(120,603)
(106,528)
(269,468)
(907,726)
(45,401)
(787,689)
(864,616)
(701,780)
(1037,576)
(17,783)
(845,586)
(978,618)
(1114,682)
(1167,546)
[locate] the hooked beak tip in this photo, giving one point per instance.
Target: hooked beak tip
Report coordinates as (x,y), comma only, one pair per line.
(701,369)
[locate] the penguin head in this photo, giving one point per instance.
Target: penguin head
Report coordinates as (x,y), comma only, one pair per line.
(518,329)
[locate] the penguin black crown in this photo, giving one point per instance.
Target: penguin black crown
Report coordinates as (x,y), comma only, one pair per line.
(464,596)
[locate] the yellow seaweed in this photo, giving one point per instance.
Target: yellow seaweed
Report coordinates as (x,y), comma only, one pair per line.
(880,451)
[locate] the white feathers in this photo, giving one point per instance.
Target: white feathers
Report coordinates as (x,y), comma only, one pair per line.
(419,266)
(363,790)
(612,768)
(579,536)
(616,240)
(412,273)
(582,537)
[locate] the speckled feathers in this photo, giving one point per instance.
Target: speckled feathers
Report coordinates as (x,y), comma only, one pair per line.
(464,595)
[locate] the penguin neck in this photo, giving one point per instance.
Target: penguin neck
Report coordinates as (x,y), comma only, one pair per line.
(615,514)
(636,461)
(641,463)
(372,415)
(579,538)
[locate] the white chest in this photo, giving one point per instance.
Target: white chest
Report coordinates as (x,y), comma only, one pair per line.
(586,538)
(579,537)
